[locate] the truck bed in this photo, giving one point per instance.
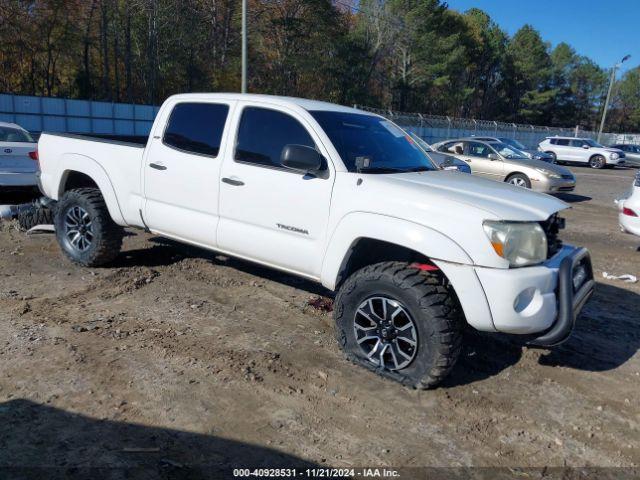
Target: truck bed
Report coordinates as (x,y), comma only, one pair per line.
(113,164)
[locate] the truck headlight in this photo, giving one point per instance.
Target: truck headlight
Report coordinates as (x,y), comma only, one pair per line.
(614,156)
(520,243)
(548,173)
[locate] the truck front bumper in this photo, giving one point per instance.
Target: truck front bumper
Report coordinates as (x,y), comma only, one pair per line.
(544,300)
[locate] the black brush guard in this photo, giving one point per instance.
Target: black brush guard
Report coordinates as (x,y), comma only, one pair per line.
(575,286)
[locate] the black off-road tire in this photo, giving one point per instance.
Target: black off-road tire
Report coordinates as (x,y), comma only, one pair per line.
(597,162)
(38,215)
(430,301)
(107,235)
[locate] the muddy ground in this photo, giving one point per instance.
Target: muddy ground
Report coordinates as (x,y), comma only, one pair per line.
(174,356)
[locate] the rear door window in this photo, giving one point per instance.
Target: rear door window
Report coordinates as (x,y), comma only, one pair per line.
(196,128)
(563,142)
(263,133)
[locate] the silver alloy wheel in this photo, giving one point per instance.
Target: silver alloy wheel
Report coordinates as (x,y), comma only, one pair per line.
(597,162)
(518,182)
(386,333)
(78,228)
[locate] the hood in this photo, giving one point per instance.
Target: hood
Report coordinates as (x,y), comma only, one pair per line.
(532,152)
(614,150)
(503,201)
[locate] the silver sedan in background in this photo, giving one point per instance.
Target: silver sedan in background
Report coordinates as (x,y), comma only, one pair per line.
(501,162)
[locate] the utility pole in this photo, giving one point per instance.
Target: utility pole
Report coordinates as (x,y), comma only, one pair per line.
(606,102)
(244,46)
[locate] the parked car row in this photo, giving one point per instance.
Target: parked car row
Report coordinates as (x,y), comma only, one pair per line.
(491,158)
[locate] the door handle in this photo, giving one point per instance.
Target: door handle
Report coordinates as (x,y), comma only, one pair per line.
(157,166)
(232,181)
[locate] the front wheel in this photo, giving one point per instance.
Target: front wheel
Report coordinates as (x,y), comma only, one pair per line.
(597,161)
(84,229)
(519,180)
(401,322)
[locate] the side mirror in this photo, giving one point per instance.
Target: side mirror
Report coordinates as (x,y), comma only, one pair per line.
(302,158)
(493,156)
(585,146)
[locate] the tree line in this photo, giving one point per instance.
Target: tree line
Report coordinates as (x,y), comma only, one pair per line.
(406,55)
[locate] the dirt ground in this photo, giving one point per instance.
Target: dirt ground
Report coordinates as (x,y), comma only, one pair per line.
(176,357)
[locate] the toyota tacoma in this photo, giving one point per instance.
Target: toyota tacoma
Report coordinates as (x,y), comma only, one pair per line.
(342,197)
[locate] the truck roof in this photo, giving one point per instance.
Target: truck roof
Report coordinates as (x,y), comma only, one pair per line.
(309,105)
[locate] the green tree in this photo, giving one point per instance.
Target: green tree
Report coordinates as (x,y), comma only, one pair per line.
(529,74)
(626,104)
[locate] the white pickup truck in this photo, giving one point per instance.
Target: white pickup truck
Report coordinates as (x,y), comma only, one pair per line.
(339,196)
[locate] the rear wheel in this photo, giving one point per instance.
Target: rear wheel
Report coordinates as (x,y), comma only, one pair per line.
(84,229)
(597,161)
(401,322)
(519,180)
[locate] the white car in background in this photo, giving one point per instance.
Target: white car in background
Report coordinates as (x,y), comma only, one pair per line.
(629,207)
(581,150)
(18,157)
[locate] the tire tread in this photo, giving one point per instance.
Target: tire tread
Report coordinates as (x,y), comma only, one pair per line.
(110,242)
(434,295)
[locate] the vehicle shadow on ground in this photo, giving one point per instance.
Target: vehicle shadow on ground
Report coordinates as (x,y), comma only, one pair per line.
(167,252)
(606,336)
(161,253)
(39,441)
(572,197)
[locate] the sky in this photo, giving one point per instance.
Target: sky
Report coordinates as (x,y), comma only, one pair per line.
(603,30)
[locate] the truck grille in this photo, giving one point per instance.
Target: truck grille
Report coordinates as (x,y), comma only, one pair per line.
(552,227)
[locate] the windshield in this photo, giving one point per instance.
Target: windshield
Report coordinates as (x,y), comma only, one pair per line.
(372,141)
(508,151)
(8,134)
(512,142)
(421,143)
(592,143)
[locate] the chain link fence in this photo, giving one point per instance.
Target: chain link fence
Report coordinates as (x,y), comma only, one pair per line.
(434,128)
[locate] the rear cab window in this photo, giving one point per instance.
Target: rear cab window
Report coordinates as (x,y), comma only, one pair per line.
(263,133)
(196,128)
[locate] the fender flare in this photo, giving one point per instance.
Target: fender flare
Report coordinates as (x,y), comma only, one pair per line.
(74,162)
(357,225)
(450,257)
